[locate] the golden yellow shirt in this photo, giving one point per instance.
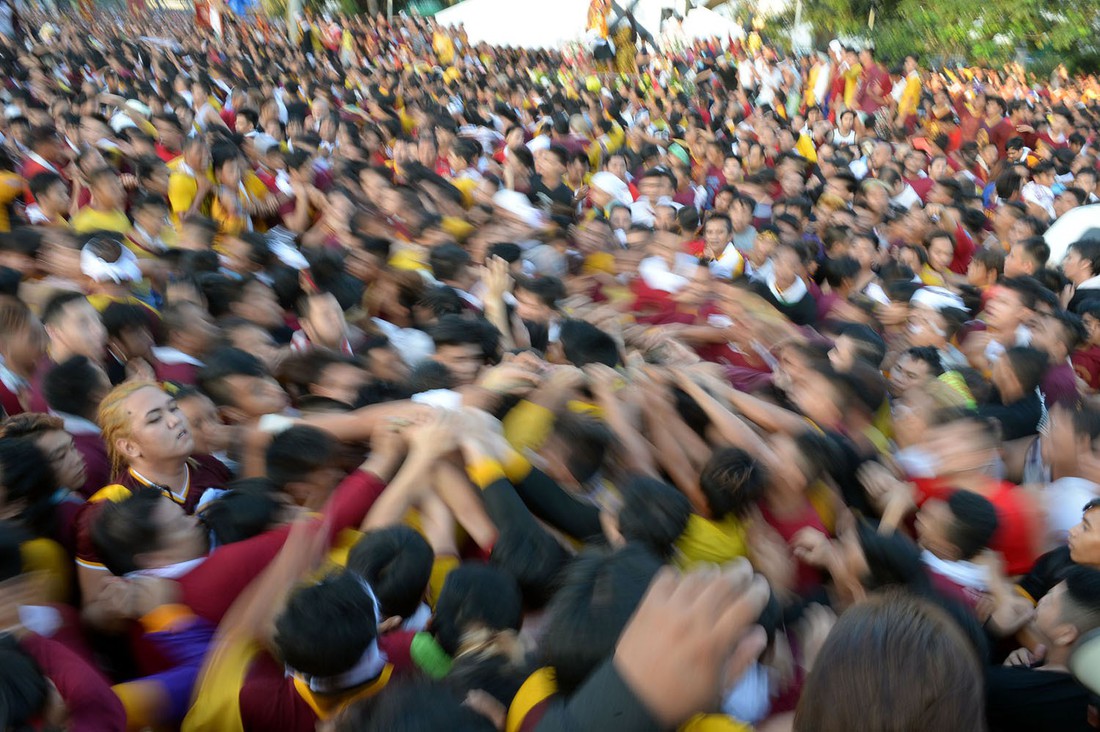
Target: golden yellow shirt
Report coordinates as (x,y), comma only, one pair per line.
(89,219)
(11,186)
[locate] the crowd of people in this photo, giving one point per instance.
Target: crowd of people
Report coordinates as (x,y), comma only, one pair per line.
(367,378)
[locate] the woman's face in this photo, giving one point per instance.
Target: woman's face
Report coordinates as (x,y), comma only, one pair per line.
(158,429)
(940,254)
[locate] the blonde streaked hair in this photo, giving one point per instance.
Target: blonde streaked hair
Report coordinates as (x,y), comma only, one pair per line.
(115,423)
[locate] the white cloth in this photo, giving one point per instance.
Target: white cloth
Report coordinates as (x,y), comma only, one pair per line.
(171,356)
(1064,499)
(125,269)
(966,574)
(731,263)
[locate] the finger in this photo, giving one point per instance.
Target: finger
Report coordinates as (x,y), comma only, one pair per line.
(740,614)
(721,589)
(747,649)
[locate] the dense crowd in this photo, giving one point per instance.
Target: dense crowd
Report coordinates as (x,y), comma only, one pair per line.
(366,378)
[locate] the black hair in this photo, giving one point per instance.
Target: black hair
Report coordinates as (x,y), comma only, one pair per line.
(927,354)
(414,705)
(870,346)
(732,481)
(975,522)
(23,687)
(326,628)
(584,343)
(28,478)
(121,530)
(222,364)
(453,330)
(447,261)
(247,508)
(56,305)
(1029,364)
(588,440)
(120,317)
(66,387)
(653,514)
(548,290)
(296,452)
(1088,248)
(475,596)
(1036,248)
(600,593)
(42,182)
(397,563)
(429,375)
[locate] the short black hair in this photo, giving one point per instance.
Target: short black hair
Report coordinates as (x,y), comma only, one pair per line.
(121,530)
(222,364)
(929,355)
(120,317)
(975,522)
(66,387)
(600,593)
(1029,364)
(447,261)
(732,481)
(475,596)
(326,627)
(584,344)
(56,305)
(247,508)
(653,514)
(397,563)
(870,346)
(296,452)
(28,479)
(454,330)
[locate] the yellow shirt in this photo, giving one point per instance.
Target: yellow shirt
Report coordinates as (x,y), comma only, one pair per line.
(11,186)
(717,542)
(89,219)
(910,96)
(183,187)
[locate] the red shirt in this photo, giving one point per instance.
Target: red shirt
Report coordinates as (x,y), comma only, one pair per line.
(964,250)
(1018,531)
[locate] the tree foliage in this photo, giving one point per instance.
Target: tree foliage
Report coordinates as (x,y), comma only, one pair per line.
(989,31)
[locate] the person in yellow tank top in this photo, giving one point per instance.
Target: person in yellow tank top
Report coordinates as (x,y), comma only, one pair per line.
(190,181)
(105,212)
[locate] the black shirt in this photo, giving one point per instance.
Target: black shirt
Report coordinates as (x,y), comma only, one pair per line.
(1048,570)
(803,312)
(1031,700)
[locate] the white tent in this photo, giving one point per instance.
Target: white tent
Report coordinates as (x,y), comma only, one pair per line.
(703,24)
(538,23)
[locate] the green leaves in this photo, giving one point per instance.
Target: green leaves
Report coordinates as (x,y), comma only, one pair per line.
(989,31)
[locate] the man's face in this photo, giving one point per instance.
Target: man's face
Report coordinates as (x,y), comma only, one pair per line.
(1017,263)
(716,234)
(79,330)
(908,373)
(255,396)
(1063,203)
(665,218)
(933,522)
(66,460)
(1005,311)
(1084,540)
(342,382)
(326,326)
(463,360)
(531,308)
